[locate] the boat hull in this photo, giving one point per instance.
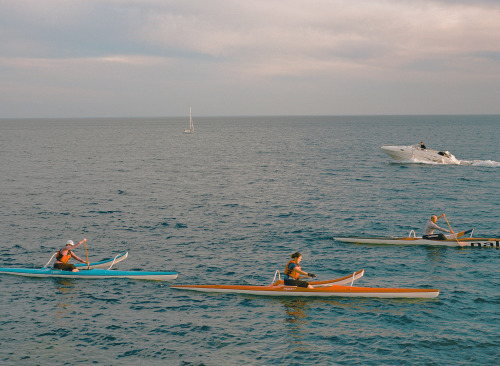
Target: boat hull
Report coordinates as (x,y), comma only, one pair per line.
(105,263)
(469,242)
(414,153)
(330,288)
(90,274)
(330,291)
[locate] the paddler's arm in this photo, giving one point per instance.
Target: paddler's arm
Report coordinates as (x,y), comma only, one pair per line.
(436,227)
(440,228)
(312,275)
(80,243)
(443,229)
(74,255)
(78,258)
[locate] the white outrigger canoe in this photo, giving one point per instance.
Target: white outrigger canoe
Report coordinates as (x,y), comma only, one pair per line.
(414,240)
(341,287)
(89,274)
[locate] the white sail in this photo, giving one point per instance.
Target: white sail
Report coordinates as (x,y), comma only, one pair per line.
(191,125)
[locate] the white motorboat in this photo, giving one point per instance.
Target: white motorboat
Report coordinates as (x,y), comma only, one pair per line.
(414,153)
(191,125)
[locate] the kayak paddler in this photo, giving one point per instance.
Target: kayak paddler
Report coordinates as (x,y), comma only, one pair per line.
(293,272)
(65,254)
(431,226)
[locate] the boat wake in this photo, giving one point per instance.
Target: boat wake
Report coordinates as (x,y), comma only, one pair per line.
(486,163)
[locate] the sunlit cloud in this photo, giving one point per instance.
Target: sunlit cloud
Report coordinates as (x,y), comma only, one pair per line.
(237,44)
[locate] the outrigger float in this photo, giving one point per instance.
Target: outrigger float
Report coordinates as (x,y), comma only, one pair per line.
(91,271)
(341,287)
(412,239)
(105,263)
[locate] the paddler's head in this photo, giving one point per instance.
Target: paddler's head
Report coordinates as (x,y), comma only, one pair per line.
(297,257)
(434,218)
(70,242)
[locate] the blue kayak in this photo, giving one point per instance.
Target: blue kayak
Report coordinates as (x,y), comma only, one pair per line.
(90,274)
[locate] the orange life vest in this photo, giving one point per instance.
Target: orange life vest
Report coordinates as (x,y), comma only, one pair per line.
(291,273)
(63,258)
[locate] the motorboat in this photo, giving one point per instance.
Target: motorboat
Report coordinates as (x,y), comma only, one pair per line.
(415,153)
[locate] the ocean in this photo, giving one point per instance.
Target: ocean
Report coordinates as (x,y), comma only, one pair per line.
(228,205)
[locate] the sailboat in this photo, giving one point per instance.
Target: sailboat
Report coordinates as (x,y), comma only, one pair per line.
(191,126)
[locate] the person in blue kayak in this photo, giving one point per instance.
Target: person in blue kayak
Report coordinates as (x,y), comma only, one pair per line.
(422,146)
(65,254)
(431,226)
(293,272)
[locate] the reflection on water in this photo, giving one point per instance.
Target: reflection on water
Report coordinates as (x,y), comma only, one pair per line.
(296,320)
(66,297)
(435,254)
(64,285)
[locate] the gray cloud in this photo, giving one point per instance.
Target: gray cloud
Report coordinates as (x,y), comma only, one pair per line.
(147,57)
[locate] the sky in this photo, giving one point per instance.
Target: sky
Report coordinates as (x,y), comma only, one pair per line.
(155,58)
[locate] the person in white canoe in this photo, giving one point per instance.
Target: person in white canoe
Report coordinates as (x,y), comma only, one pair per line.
(431,226)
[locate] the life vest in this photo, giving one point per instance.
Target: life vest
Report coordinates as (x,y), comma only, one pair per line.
(291,273)
(63,258)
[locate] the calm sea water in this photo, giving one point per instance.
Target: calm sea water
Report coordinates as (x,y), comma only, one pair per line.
(228,205)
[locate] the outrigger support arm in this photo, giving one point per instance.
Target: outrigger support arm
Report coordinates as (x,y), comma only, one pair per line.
(277,273)
(50,260)
(114,259)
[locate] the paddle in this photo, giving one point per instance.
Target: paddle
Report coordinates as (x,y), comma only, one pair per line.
(87,254)
(452,230)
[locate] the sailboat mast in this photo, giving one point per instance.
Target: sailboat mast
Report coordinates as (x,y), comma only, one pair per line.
(191,127)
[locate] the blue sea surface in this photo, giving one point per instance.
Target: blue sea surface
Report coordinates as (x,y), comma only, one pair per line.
(228,205)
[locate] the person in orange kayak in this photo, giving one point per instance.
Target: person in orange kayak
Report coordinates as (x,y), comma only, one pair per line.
(293,272)
(65,254)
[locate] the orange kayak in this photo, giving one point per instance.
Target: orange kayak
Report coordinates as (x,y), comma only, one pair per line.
(339,288)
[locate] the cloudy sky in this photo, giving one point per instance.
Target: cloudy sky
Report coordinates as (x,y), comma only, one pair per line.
(114,58)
